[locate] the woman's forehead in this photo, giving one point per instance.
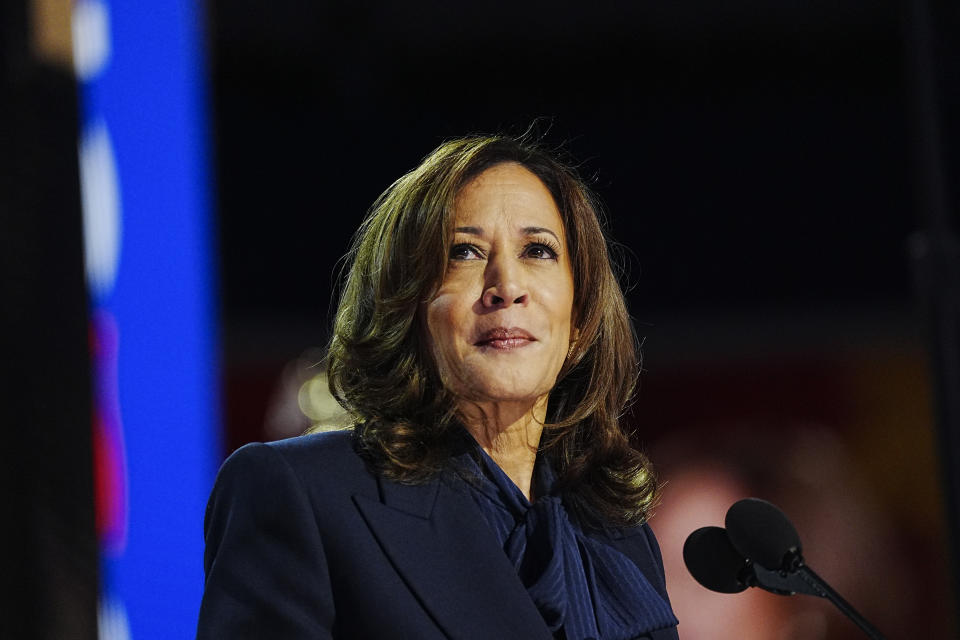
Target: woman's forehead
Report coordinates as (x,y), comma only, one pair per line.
(507,196)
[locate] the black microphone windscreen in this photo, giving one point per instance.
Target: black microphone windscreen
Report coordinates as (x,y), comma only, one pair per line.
(713,561)
(761,532)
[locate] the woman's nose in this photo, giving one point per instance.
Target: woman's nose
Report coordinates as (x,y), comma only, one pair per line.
(504,286)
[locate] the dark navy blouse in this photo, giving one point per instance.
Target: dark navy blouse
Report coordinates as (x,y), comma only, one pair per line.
(584,589)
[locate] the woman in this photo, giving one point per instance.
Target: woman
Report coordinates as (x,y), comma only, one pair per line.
(487,491)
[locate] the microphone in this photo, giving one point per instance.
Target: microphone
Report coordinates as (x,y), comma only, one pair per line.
(759,548)
(761,532)
(714,562)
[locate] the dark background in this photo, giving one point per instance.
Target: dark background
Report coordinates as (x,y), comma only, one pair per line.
(748,154)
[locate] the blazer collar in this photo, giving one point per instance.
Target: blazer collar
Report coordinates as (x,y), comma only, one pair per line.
(437,540)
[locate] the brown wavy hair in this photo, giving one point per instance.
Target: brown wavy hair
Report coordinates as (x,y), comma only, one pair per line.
(379,364)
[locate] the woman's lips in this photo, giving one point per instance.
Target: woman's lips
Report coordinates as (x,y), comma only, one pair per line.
(503,338)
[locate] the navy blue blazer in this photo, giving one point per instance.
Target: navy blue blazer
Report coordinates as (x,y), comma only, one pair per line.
(302,541)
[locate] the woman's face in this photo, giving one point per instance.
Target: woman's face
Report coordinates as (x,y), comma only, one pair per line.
(499,327)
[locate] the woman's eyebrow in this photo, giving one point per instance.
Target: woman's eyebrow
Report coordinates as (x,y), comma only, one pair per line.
(534,230)
(478,231)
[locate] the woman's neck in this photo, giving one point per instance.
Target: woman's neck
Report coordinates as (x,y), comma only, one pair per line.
(510,434)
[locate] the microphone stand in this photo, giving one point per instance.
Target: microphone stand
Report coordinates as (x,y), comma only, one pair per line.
(802,579)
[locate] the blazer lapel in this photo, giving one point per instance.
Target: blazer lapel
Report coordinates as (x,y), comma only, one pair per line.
(437,540)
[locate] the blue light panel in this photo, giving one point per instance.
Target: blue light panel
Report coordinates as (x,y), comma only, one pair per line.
(150,267)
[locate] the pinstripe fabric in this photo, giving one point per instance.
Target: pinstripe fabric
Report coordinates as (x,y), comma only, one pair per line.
(584,589)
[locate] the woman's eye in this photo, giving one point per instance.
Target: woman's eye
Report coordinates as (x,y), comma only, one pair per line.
(540,251)
(464,252)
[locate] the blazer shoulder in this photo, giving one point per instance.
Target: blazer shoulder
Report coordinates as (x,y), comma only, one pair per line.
(317,460)
(264,559)
(330,447)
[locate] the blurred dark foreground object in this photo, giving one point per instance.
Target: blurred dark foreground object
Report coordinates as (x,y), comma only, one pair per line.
(48,585)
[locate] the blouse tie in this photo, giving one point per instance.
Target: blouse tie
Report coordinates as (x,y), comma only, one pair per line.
(583,588)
